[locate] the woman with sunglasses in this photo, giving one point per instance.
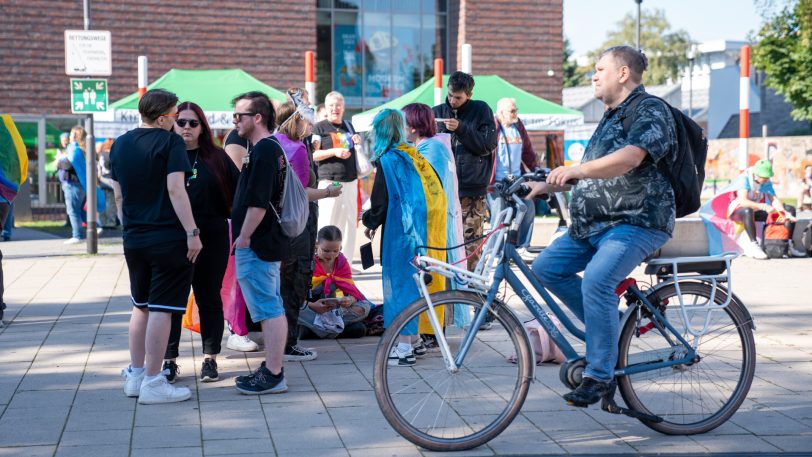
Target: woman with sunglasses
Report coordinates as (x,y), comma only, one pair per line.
(211,188)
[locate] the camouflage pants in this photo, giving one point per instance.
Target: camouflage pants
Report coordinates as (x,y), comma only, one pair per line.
(474,212)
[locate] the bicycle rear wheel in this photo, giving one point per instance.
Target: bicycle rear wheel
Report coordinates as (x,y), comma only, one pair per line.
(692,398)
(442,410)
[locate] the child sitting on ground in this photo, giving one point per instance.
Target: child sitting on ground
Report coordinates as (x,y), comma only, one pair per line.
(335,307)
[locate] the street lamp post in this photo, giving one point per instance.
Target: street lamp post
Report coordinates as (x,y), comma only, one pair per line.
(691,54)
(637,44)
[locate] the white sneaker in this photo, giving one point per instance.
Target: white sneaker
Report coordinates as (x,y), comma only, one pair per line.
(793,252)
(73,241)
(398,358)
(158,390)
(241,343)
(132,382)
(752,249)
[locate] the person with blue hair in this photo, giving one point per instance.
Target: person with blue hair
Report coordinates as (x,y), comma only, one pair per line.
(409,201)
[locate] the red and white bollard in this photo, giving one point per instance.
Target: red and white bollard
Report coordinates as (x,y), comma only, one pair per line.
(744,105)
(143,81)
(310,76)
(438,81)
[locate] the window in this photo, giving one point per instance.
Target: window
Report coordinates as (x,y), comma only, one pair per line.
(373,51)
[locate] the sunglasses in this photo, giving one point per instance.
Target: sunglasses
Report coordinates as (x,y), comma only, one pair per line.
(192,123)
(238,116)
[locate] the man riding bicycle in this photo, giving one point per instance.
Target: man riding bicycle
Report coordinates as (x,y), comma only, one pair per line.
(622,210)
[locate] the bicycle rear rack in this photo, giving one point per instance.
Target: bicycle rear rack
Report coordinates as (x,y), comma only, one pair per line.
(711,270)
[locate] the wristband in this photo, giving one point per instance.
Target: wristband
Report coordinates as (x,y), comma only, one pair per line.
(195,232)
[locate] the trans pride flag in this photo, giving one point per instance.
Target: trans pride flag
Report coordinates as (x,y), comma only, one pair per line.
(13,159)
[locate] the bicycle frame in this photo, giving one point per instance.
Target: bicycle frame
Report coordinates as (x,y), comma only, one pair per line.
(507,252)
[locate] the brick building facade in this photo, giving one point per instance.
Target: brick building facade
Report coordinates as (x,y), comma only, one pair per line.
(521,40)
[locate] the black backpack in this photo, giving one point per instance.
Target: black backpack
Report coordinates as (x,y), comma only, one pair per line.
(687,175)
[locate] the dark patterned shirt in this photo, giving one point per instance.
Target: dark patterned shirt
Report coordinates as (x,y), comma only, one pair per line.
(641,197)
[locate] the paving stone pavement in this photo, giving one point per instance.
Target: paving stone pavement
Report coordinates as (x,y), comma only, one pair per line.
(65,342)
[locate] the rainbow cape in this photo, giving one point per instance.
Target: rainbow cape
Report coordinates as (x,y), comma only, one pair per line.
(416,216)
(341,276)
(437,150)
(723,233)
(13,159)
(77,158)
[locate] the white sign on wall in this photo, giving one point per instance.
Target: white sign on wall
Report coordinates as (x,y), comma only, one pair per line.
(88,53)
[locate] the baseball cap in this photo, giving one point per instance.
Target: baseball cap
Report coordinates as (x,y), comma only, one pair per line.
(763,169)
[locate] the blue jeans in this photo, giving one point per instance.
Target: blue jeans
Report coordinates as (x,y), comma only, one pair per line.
(8,225)
(606,259)
(525,227)
(74,201)
(259,282)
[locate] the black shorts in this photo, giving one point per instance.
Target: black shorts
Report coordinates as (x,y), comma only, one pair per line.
(160,276)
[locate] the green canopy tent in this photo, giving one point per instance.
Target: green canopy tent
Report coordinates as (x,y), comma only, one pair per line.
(28,132)
(535,112)
(213,90)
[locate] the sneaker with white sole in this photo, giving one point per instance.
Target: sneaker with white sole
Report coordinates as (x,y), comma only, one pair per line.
(241,343)
(300,354)
(73,241)
(158,390)
(752,249)
(526,255)
(419,349)
(399,358)
(262,382)
(132,382)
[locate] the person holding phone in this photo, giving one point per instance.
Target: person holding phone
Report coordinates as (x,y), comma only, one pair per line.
(333,292)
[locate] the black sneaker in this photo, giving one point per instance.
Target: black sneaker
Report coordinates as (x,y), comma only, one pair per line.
(262,382)
(589,392)
(173,369)
(246,376)
(299,354)
(209,371)
(429,342)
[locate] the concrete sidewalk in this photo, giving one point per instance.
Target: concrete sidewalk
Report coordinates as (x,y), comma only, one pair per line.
(66,341)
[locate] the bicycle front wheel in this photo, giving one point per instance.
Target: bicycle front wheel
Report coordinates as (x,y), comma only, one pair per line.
(697,397)
(441,410)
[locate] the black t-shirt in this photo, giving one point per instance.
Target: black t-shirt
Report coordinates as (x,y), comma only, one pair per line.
(140,161)
(210,205)
(260,184)
(336,136)
(234,138)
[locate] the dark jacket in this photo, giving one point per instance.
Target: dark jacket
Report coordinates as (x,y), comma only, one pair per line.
(529,159)
(472,144)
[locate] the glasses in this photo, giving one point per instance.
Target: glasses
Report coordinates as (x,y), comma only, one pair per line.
(514,111)
(238,116)
(193,123)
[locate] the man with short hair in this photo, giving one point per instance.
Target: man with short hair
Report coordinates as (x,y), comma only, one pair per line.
(622,211)
(259,244)
(514,156)
(473,138)
(161,241)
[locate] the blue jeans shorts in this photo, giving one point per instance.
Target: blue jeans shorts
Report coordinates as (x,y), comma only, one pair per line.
(259,281)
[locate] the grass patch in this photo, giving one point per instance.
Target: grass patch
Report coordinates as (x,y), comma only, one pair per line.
(53,227)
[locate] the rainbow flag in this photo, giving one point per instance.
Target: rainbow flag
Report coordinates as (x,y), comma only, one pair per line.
(13,159)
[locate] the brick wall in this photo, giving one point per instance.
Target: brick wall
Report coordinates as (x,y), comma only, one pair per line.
(266,39)
(521,40)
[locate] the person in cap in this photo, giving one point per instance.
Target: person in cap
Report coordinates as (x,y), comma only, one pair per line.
(754,200)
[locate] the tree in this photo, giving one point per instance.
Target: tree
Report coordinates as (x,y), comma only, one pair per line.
(573,76)
(784,53)
(665,49)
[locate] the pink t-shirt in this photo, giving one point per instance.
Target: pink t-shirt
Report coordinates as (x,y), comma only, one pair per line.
(296,153)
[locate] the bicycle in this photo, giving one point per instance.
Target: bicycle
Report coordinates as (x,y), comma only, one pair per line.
(686,349)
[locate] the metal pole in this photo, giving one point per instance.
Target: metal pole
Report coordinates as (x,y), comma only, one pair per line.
(744,105)
(637,42)
(90,168)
